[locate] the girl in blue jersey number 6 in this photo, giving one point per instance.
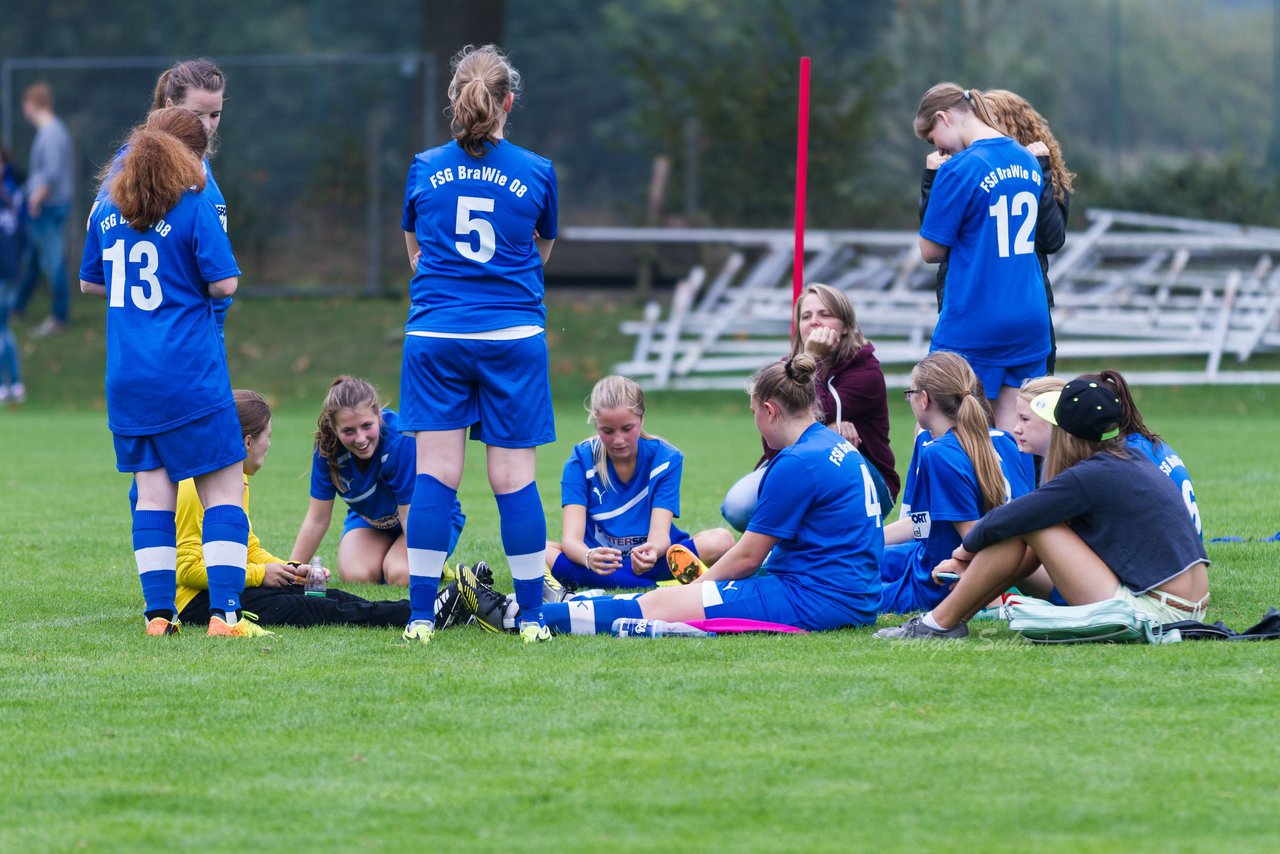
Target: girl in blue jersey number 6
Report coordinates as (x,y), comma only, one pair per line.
(157,252)
(981,217)
(480,216)
(817,522)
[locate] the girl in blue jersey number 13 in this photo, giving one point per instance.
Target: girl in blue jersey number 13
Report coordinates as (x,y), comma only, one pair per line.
(480,216)
(157,252)
(981,218)
(620,492)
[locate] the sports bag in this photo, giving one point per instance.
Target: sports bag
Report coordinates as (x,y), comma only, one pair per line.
(1108,621)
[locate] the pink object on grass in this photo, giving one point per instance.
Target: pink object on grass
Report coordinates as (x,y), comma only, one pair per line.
(731,625)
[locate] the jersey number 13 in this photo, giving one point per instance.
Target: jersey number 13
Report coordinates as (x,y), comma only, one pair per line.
(146,296)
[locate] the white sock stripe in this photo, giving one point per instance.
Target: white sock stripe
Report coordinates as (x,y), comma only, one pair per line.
(711,595)
(582,617)
(527,567)
(426,563)
(225,553)
(156,558)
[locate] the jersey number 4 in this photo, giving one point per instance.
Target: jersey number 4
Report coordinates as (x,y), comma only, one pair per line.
(1025,205)
(146,296)
(468,225)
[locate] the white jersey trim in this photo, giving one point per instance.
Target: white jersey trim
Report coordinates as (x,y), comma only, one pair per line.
(609,514)
(510,333)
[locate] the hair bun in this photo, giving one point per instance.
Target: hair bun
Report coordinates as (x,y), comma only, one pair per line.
(801,369)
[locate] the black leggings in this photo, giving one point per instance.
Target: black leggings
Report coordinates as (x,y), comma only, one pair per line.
(289,606)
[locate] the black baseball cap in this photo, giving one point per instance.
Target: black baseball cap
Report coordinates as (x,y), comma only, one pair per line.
(1084,408)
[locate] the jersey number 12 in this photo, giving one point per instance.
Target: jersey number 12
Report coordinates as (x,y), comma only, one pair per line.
(1023,203)
(145,254)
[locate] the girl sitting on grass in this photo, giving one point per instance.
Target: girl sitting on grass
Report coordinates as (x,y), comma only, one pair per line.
(1105,524)
(960,469)
(817,523)
(273,586)
(620,492)
(361,456)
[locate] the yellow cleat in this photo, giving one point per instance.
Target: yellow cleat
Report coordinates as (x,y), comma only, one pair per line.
(419,630)
(684,565)
(535,633)
(245,628)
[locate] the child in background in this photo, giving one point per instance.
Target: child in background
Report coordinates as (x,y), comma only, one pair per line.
(959,471)
(620,492)
(361,456)
(12,243)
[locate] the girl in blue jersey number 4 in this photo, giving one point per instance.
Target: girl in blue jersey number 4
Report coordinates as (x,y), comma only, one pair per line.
(817,522)
(362,457)
(157,253)
(620,492)
(982,214)
(480,217)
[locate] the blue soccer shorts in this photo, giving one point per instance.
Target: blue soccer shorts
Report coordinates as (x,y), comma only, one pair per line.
(198,447)
(501,389)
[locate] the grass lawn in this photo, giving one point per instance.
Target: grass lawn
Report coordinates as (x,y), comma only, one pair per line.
(347,738)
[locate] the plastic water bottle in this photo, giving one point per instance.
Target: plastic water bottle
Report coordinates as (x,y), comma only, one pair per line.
(638,627)
(316,584)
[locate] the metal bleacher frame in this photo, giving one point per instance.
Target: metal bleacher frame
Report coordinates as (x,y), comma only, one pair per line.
(1130,285)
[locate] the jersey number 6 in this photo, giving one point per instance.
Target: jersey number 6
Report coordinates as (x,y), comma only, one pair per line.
(482,228)
(144,253)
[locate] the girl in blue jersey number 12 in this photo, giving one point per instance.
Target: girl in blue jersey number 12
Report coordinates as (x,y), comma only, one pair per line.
(480,216)
(157,252)
(981,218)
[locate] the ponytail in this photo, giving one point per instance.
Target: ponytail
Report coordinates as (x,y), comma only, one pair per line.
(181,77)
(950,96)
(1130,418)
(790,384)
(482,79)
(953,386)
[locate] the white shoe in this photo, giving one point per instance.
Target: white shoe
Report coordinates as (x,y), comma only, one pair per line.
(18,393)
(4,393)
(48,326)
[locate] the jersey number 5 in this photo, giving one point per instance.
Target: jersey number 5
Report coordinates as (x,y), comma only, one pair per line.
(144,253)
(1023,203)
(482,228)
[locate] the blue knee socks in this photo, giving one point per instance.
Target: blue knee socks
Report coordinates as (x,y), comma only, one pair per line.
(524,539)
(588,616)
(155,548)
(226,540)
(428,540)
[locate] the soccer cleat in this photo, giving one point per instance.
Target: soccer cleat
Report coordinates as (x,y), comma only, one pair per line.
(158,626)
(449,608)
(915,629)
(483,573)
(245,628)
(552,590)
(480,600)
(419,630)
(684,564)
(534,633)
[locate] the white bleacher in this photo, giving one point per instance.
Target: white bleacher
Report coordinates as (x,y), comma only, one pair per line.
(1130,285)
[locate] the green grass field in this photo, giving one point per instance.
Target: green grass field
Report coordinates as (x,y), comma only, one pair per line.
(333,739)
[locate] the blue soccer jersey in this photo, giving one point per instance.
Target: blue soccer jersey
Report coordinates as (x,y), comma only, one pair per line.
(618,515)
(942,488)
(376,489)
(818,498)
(983,207)
(166,365)
(1171,464)
(475,220)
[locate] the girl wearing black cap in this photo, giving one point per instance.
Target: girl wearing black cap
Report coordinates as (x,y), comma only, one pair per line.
(1106,524)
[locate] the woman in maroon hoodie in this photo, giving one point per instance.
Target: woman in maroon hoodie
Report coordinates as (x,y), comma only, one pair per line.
(851,394)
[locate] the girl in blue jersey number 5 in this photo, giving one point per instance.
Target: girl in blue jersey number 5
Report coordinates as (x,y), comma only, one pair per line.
(157,252)
(982,215)
(480,216)
(817,522)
